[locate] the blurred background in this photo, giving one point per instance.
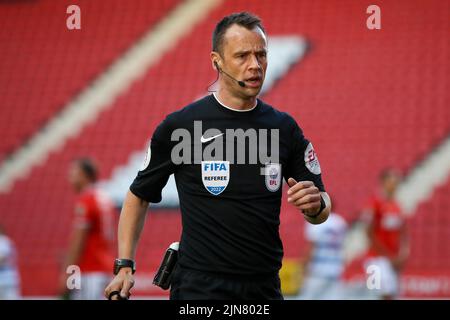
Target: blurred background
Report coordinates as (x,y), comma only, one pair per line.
(368,99)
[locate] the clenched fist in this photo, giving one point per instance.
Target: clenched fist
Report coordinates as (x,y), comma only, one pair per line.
(305,196)
(120,286)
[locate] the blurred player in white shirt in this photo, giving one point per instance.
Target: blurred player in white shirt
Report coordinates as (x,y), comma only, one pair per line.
(324,261)
(9,276)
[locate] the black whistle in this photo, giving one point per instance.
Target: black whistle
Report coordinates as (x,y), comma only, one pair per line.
(164,274)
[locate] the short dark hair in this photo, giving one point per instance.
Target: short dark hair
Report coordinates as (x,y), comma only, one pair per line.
(89,168)
(244,19)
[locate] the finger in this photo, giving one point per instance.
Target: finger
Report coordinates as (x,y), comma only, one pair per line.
(125,292)
(311,198)
(107,291)
(113,286)
(114,295)
(291,182)
(302,193)
(311,206)
(299,186)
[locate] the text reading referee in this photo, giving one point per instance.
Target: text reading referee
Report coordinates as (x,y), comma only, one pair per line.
(229,181)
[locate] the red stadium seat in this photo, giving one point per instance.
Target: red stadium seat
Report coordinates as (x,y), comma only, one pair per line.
(367,99)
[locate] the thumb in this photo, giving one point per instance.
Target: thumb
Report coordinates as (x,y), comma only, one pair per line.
(125,292)
(291,182)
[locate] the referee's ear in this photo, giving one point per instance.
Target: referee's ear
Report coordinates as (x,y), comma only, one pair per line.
(215,58)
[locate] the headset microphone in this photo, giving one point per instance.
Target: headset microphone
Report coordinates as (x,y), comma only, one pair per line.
(239,82)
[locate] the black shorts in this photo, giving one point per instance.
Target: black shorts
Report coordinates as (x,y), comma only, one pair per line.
(188,284)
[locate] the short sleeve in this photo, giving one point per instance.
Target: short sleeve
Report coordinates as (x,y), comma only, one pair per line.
(157,166)
(303,163)
(83,217)
(370,211)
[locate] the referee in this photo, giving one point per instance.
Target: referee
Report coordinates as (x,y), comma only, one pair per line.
(229,152)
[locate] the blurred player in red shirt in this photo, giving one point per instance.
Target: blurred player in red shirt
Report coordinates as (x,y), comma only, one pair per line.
(91,244)
(387,235)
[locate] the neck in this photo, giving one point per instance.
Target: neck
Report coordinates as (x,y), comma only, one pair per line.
(83,187)
(388,195)
(235,102)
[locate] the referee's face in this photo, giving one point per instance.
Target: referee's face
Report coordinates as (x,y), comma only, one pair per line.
(244,55)
(77,178)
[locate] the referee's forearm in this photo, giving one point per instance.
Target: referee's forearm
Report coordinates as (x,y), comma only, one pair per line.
(131,222)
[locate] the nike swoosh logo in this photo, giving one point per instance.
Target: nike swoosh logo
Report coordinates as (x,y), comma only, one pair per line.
(203,140)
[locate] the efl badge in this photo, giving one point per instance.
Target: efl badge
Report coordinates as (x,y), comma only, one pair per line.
(273,176)
(215,175)
(311,161)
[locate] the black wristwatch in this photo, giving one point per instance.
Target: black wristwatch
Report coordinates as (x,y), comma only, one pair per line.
(322,206)
(124,263)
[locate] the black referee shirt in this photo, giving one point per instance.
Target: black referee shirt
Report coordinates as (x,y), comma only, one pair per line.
(228,178)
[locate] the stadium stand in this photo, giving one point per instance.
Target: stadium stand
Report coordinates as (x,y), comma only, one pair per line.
(367,99)
(44,64)
(429,231)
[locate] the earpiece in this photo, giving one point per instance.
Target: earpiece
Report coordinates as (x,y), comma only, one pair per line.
(239,82)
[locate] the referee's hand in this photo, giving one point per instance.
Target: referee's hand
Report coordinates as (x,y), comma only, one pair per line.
(304,195)
(120,286)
